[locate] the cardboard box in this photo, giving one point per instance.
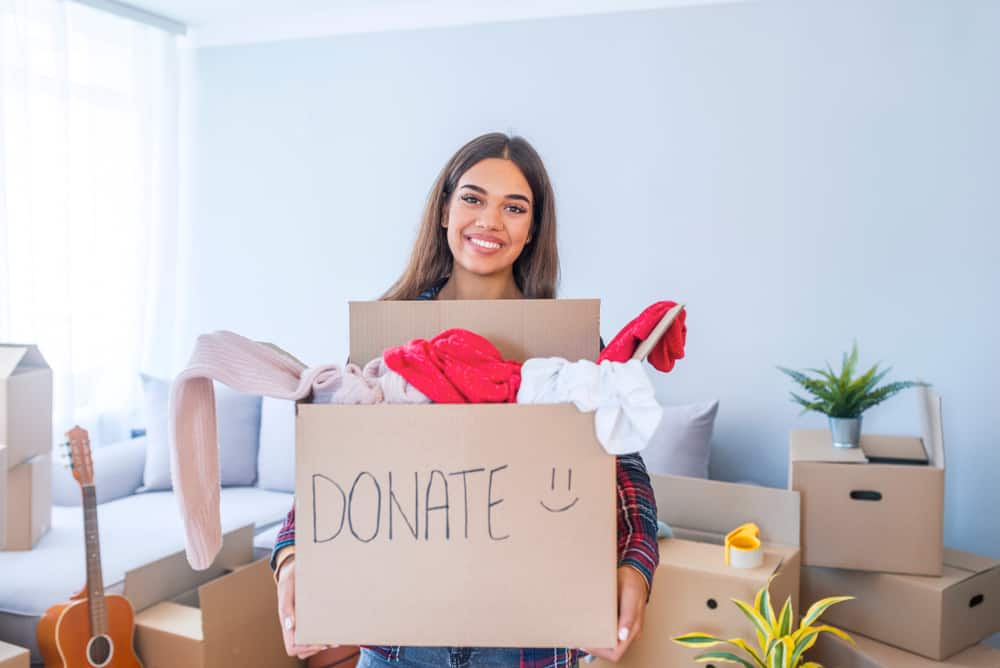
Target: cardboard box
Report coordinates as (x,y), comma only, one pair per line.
(25,403)
(872,516)
(834,653)
(519,328)
(935,617)
(223,616)
(453,525)
(12,656)
(29,502)
(693,587)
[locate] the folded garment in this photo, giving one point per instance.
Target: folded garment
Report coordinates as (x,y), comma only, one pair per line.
(665,353)
(253,368)
(456,367)
(621,396)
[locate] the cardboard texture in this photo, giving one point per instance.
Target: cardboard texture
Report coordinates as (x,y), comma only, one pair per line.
(455,557)
(693,588)
(519,328)
(833,653)
(12,656)
(229,619)
(934,617)
(29,503)
(868,516)
(25,402)
(466,543)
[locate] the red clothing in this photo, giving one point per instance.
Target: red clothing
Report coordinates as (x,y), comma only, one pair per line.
(457,367)
(667,351)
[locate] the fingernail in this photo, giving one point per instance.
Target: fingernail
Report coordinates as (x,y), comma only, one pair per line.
(288,623)
(623,633)
(589,658)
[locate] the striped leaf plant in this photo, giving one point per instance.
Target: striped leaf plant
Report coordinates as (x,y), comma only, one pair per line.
(779,644)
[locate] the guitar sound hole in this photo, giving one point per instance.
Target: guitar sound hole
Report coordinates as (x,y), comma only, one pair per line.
(99,651)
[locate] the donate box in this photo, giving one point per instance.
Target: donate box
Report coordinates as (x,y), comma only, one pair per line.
(488,525)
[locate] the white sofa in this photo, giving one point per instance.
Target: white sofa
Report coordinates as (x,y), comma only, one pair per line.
(138,526)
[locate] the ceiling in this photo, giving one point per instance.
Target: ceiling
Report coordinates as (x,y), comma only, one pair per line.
(220,22)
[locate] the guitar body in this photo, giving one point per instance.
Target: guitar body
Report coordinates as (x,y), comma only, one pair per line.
(65,641)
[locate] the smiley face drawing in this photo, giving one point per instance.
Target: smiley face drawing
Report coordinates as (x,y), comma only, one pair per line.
(569,487)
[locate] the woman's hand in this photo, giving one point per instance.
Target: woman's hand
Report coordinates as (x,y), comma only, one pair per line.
(631,611)
(286,613)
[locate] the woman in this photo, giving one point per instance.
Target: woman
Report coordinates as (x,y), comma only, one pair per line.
(489,232)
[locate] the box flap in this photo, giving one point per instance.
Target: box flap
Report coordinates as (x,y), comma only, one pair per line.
(966,561)
(816,445)
(710,558)
(172,575)
(932,425)
(10,356)
(519,328)
(719,507)
(180,620)
(893,449)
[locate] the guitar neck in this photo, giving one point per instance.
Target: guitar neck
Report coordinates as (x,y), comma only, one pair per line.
(95,579)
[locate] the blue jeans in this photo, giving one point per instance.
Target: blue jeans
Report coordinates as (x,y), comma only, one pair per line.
(446,657)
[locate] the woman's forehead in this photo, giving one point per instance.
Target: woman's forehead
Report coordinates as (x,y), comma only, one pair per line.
(496,176)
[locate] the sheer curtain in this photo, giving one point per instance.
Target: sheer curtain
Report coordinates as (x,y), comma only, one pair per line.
(88,201)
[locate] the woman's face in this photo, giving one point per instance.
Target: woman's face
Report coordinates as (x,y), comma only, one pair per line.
(489,217)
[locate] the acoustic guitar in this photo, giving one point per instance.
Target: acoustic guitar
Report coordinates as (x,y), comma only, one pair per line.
(93,629)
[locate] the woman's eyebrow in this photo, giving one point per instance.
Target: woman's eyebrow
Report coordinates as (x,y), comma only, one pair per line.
(483,191)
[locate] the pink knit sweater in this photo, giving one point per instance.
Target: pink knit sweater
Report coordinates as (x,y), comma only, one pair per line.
(253,368)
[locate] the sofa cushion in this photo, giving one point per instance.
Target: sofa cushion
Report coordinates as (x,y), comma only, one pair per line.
(681,444)
(237,424)
(134,530)
(118,470)
(276,456)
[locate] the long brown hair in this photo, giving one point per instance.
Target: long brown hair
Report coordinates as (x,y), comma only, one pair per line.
(536,270)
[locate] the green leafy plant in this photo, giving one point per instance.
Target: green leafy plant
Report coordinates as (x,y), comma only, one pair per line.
(842,395)
(779,644)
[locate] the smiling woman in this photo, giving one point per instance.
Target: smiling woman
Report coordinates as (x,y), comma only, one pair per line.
(488,231)
(490,218)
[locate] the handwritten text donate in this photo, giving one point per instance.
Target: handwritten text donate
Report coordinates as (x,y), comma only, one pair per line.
(420,507)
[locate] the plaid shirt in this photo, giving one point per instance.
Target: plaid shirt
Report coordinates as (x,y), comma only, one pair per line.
(637,546)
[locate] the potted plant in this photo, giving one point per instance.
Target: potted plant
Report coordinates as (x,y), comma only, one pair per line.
(843,397)
(779,644)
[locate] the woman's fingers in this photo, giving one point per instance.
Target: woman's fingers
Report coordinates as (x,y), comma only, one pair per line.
(286,615)
(286,608)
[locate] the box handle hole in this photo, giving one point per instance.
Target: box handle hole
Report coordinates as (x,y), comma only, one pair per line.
(712,604)
(976,600)
(866,495)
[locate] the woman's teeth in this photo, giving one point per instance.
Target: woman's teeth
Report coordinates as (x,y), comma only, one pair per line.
(484,244)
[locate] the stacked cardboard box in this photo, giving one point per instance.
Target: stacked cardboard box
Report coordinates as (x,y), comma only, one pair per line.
(693,588)
(868,653)
(26,430)
(223,616)
(872,527)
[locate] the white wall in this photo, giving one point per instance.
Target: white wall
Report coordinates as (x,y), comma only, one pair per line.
(800,174)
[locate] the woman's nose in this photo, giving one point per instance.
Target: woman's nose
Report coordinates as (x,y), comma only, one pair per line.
(489,220)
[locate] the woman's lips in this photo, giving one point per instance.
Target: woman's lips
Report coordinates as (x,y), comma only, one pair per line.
(483,245)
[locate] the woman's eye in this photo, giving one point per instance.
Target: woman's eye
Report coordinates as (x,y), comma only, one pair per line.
(471,199)
(515,209)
